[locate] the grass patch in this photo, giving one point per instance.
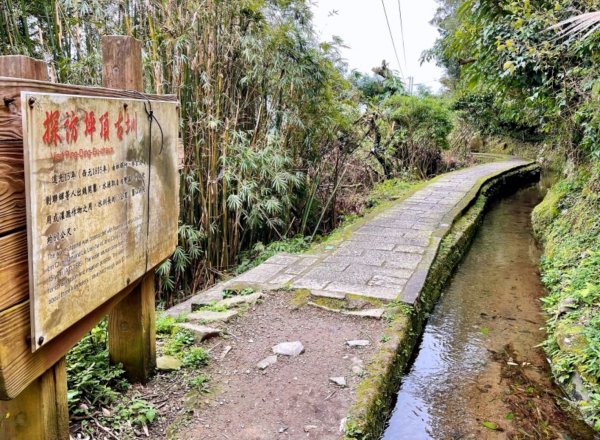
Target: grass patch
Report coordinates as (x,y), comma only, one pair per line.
(567,222)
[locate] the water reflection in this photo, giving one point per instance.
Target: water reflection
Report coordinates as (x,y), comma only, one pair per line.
(493,299)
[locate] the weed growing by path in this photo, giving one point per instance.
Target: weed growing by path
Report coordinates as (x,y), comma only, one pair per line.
(92,380)
(96,387)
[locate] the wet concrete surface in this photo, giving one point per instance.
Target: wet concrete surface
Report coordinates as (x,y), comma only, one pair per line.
(479,372)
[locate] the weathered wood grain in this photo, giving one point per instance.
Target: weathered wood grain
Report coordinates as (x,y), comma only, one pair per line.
(20,66)
(131,324)
(19,367)
(12,187)
(132,331)
(12,183)
(40,410)
(14,273)
(122,66)
(10,100)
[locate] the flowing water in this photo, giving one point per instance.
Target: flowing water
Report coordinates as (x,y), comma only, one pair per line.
(478,373)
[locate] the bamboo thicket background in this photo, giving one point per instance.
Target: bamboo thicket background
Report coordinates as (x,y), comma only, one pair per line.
(267,115)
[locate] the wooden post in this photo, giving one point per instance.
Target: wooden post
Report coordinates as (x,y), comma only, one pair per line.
(41,410)
(131,324)
(19,66)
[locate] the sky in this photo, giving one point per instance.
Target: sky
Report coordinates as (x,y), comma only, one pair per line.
(361,24)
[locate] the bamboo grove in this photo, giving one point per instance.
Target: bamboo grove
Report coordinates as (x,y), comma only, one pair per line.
(262,103)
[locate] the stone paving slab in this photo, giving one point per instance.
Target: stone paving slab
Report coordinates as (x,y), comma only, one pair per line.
(387,258)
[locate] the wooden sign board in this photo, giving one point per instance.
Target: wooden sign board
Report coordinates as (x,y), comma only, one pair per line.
(102,191)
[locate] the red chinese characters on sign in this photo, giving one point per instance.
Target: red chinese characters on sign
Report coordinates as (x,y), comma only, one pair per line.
(90,125)
(51,136)
(70,125)
(130,123)
(119,126)
(104,127)
(59,128)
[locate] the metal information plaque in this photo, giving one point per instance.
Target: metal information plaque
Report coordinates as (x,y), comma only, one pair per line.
(102,191)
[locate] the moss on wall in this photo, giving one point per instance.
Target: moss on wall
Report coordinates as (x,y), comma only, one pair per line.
(567,223)
(376,393)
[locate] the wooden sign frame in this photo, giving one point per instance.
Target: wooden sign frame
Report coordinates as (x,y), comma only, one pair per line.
(33,386)
(96,185)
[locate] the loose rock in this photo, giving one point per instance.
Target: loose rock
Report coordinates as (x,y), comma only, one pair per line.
(358,370)
(201,332)
(368,313)
(339,381)
(240,299)
(168,363)
(209,316)
(289,348)
(266,362)
(358,343)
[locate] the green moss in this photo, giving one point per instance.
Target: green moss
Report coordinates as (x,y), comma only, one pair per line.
(548,210)
(570,337)
(374,302)
(212,307)
(568,226)
(300,298)
(330,303)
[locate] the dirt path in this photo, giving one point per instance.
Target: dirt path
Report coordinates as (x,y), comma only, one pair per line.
(293,398)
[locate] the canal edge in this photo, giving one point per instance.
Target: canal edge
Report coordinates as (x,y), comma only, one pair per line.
(376,392)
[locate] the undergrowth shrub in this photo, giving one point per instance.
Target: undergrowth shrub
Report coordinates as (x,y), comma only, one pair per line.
(568,224)
(91,379)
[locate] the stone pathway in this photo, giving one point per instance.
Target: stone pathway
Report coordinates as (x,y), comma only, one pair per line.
(386,258)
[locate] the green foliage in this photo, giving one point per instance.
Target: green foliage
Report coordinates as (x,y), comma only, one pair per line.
(195,357)
(567,222)
(260,253)
(229,293)
(214,307)
(131,410)
(91,379)
(375,89)
(411,132)
(180,340)
(390,189)
(199,382)
(423,121)
(513,76)
(165,323)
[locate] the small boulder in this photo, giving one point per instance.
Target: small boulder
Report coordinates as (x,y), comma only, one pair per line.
(168,363)
(339,381)
(266,362)
(358,370)
(289,348)
(240,299)
(201,332)
(567,305)
(209,316)
(358,343)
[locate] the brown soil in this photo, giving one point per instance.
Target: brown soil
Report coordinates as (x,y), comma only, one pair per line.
(292,399)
